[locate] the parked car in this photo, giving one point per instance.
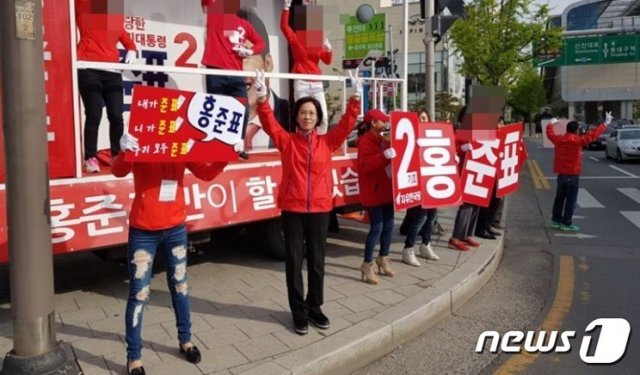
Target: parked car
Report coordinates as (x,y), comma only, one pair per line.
(619,124)
(600,143)
(623,144)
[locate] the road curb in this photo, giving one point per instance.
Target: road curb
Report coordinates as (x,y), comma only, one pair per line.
(371,339)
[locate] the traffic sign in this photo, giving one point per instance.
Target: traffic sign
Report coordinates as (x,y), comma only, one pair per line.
(606,49)
(362,37)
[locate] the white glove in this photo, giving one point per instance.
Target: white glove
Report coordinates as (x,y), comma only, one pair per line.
(553,121)
(327,44)
(128,142)
(131,57)
(287,4)
(356,82)
(243,51)
(259,85)
(390,153)
(238,147)
(608,118)
(466,147)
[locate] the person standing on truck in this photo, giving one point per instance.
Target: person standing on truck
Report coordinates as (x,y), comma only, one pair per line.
(376,193)
(304,194)
(229,40)
(100,31)
(157,221)
(307,51)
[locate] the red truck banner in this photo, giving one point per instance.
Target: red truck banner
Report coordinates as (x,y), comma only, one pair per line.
(183,126)
(439,178)
(511,158)
(405,168)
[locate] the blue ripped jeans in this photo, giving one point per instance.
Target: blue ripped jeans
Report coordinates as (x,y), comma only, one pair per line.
(142,248)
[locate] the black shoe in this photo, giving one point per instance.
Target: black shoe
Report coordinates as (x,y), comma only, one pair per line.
(318,319)
(192,354)
(243,155)
(493,232)
(136,371)
(486,235)
(301,327)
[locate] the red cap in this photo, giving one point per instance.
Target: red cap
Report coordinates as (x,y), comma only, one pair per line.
(375,114)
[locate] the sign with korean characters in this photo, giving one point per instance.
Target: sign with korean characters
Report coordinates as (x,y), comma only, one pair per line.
(479,171)
(182,126)
(406,166)
(510,158)
(439,178)
(605,49)
(360,38)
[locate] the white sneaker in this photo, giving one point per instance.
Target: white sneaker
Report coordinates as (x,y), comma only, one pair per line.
(427,252)
(409,257)
(91,165)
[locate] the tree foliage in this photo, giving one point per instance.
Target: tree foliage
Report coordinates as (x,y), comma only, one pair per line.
(496,37)
(528,95)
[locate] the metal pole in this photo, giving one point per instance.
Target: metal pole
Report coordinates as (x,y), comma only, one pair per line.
(392,61)
(35,350)
(373,88)
(430,100)
(405,54)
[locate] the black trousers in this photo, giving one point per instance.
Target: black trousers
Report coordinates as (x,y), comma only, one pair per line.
(305,234)
(98,88)
(466,220)
(487,215)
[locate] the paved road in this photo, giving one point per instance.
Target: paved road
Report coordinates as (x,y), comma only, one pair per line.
(547,279)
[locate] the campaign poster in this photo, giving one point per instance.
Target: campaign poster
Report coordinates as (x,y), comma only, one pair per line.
(405,168)
(510,161)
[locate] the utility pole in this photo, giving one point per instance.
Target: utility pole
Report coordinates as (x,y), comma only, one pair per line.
(430,66)
(35,350)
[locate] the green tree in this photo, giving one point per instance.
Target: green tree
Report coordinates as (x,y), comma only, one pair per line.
(496,37)
(447,106)
(528,94)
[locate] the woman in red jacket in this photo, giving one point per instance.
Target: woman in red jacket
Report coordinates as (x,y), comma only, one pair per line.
(98,43)
(305,195)
(376,193)
(307,53)
(157,221)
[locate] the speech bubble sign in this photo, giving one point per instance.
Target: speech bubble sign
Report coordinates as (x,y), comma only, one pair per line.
(218,117)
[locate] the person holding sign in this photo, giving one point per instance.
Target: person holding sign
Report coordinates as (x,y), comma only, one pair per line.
(305,194)
(157,221)
(307,53)
(567,164)
(101,28)
(376,192)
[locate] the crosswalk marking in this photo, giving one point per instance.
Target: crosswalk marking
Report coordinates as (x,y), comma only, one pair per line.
(586,200)
(632,216)
(622,171)
(632,193)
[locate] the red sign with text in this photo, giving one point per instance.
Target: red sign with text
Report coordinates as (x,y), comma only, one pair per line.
(439,178)
(479,172)
(183,126)
(511,158)
(406,167)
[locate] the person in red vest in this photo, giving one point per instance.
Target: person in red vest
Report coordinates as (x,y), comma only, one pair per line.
(567,164)
(376,193)
(307,53)
(100,32)
(229,40)
(305,194)
(157,221)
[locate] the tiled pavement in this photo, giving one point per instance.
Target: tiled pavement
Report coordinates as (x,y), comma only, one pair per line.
(240,316)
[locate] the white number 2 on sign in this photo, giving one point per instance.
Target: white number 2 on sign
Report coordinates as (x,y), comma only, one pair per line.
(406,179)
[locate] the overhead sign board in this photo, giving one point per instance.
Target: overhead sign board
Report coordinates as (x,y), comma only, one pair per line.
(606,49)
(360,38)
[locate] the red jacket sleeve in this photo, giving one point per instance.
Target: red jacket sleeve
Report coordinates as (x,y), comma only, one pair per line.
(326,56)
(207,171)
(255,38)
(126,41)
(592,134)
(204,3)
(297,50)
(271,126)
(370,158)
(120,167)
(551,134)
(338,134)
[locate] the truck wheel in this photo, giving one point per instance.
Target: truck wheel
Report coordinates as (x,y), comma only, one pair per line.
(269,232)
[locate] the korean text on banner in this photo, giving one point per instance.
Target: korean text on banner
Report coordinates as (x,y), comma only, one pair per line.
(183,126)
(479,172)
(406,167)
(510,161)
(439,179)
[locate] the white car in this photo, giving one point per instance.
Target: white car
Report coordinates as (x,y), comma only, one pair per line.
(623,144)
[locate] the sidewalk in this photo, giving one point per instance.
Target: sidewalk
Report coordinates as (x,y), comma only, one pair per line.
(240,315)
